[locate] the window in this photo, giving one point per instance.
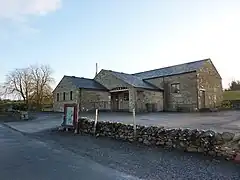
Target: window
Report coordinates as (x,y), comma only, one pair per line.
(126,97)
(57,96)
(71,95)
(175,88)
(64,96)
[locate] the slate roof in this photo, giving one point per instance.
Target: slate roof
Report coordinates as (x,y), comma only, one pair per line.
(85,83)
(133,80)
(172,70)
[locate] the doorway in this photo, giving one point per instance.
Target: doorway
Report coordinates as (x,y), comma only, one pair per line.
(202,99)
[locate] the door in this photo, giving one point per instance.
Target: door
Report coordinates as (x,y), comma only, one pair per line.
(114,102)
(202,99)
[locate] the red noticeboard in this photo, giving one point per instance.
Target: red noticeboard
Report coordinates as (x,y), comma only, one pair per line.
(70,115)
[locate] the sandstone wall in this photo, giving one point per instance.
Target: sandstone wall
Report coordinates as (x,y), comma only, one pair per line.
(145,97)
(186,99)
(210,81)
(89,100)
(64,86)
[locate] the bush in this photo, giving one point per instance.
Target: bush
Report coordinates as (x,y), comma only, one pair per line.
(226,104)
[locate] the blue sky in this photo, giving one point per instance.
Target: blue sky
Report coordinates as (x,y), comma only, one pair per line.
(122,35)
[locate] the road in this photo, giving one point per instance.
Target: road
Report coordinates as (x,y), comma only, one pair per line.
(144,162)
(36,152)
(25,158)
(219,121)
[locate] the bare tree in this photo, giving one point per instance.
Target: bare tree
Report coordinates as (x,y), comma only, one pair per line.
(42,78)
(32,84)
(19,83)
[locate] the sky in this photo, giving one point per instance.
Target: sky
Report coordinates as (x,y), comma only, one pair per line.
(122,35)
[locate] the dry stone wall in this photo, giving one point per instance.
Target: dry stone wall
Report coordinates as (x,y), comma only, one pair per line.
(208,142)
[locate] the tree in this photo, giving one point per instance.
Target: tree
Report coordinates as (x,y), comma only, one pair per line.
(32,84)
(234,86)
(42,79)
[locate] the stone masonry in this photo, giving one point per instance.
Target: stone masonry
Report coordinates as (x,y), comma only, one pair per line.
(64,86)
(197,88)
(209,142)
(186,98)
(210,81)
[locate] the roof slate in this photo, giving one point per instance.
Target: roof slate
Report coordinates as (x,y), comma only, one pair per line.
(132,80)
(172,70)
(85,83)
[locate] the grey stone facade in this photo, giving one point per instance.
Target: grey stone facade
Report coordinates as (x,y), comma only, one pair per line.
(186,87)
(64,86)
(186,99)
(210,82)
(190,97)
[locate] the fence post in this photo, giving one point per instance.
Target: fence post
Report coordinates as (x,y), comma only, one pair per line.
(134,124)
(95,122)
(77,128)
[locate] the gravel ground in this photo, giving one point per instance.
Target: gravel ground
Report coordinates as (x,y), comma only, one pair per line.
(142,161)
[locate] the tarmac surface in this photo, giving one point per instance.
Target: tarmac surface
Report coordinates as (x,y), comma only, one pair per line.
(31,150)
(25,158)
(219,121)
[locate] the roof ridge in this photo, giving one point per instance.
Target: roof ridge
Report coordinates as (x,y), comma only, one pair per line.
(127,74)
(172,66)
(78,77)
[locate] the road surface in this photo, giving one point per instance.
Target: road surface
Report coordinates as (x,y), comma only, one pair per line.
(32,151)
(25,158)
(219,121)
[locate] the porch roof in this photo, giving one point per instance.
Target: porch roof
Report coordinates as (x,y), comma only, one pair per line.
(133,80)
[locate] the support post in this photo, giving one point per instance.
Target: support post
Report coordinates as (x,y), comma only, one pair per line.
(134,124)
(77,128)
(95,122)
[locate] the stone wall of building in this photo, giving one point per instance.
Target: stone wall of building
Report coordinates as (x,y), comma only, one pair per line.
(109,81)
(186,98)
(210,81)
(145,97)
(89,100)
(208,142)
(64,86)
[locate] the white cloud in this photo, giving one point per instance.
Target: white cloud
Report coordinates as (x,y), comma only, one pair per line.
(20,9)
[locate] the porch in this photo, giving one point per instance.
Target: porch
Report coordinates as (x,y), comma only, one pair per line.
(126,99)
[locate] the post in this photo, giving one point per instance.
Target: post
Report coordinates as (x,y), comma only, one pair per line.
(77,129)
(95,122)
(134,124)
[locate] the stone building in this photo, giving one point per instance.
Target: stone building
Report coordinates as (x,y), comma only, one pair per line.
(184,87)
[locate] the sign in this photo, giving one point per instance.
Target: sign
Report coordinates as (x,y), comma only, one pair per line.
(70,115)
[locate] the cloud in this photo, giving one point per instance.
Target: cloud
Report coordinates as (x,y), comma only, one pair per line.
(19,10)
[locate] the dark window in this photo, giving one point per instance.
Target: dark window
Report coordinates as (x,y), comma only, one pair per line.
(64,96)
(175,88)
(126,97)
(71,95)
(57,96)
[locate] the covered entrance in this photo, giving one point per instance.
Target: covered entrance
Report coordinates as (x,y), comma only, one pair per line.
(120,99)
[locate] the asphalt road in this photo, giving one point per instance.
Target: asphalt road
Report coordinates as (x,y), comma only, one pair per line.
(141,161)
(33,152)
(25,158)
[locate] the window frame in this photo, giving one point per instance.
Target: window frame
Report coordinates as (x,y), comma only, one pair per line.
(64,96)
(58,96)
(71,95)
(175,88)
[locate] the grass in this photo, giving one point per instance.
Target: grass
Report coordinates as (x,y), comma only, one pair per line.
(231,95)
